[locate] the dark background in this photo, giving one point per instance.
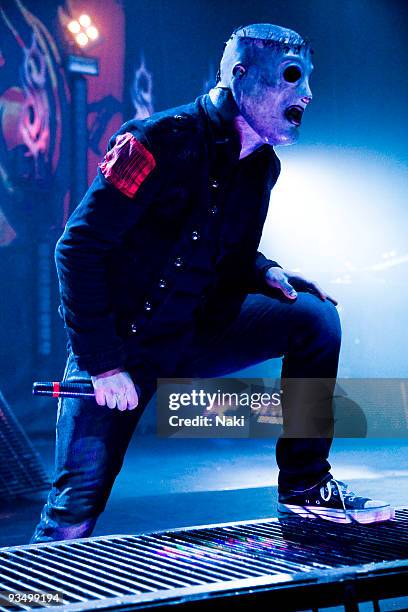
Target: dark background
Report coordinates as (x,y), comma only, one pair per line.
(338,213)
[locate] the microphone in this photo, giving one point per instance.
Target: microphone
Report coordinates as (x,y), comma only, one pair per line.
(64,389)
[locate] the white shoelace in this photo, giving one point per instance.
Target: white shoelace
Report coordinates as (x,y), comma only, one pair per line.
(343,489)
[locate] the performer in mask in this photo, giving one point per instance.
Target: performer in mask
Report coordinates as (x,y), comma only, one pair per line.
(160,276)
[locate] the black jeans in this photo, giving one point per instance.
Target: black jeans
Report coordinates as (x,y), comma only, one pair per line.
(91,440)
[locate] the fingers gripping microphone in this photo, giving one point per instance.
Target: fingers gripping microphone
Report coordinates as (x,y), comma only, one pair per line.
(64,389)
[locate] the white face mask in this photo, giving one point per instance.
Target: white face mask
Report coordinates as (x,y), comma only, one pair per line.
(273,92)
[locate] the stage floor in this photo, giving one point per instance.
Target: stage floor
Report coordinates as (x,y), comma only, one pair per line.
(274,564)
(167,484)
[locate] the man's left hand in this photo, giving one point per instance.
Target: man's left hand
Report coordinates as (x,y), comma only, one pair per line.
(290,282)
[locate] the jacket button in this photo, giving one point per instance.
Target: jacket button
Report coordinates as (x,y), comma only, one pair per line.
(215,184)
(213,210)
(178,262)
(147,306)
(133,328)
(195,235)
(162,283)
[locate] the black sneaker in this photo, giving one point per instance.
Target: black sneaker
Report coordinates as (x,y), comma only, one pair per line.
(332,501)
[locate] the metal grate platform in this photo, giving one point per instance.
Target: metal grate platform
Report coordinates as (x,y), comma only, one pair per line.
(292,563)
(21,470)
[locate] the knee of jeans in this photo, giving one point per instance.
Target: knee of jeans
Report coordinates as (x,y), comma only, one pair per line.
(321,318)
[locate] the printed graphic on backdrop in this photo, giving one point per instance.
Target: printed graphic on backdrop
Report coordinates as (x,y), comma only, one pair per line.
(37,141)
(141,91)
(33,85)
(105,92)
(86,34)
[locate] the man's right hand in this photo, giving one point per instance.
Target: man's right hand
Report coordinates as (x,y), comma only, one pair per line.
(115,389)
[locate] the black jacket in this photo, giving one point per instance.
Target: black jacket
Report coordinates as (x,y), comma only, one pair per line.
(139,271)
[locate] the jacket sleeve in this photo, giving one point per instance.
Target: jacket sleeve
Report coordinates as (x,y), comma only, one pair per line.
(257,272)
(127,182)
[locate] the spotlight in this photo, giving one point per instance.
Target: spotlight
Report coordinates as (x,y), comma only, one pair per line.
(92,33)
(74,27)
(84,33)
(85,21)
(80,34)
(82,39)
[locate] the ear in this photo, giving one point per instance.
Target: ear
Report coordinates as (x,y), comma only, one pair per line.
(238,71)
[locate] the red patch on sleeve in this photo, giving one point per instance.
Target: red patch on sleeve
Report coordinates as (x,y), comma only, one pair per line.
(127,164)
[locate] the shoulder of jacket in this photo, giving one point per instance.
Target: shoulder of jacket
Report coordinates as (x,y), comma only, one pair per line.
(168,127)
(175,127)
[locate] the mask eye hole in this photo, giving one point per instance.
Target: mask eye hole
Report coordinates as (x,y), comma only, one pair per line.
(292,74)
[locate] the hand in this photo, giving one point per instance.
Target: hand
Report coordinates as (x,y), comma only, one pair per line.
(289,282)
(115,389)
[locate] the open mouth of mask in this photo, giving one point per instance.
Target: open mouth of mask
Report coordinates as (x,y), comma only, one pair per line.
(294,114)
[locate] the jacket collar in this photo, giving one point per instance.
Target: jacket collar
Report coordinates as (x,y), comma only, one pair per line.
(222,126)
(221,123)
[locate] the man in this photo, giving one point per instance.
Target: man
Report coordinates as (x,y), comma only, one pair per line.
(160,276)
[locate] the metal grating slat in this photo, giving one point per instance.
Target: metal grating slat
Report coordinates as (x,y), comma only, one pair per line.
(20,468)
(61,567)
(255,555)
(218,565)
(135,552)
(146,578)
(231,554)
(201,560)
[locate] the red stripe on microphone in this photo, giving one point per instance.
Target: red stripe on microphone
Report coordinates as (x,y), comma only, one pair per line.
(55,389)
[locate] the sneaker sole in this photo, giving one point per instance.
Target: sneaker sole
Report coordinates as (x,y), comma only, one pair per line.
(335,515)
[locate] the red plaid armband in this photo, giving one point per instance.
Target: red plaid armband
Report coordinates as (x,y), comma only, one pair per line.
(127,164)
